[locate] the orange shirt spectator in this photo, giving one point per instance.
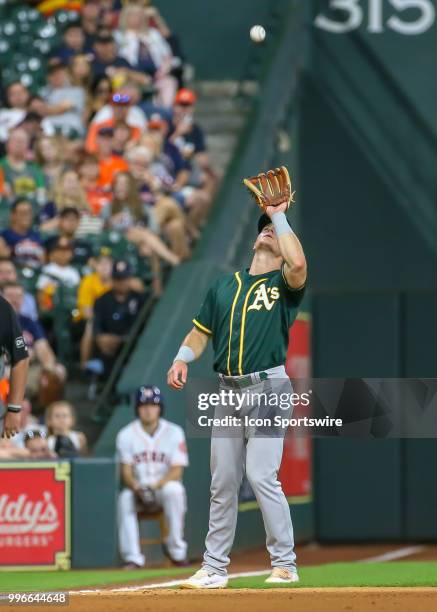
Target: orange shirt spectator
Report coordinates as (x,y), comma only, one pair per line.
(109,167)
(97,195)
(91,139)
(109,164)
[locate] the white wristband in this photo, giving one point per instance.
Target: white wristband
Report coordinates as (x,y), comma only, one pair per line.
(186,354)
(280,223)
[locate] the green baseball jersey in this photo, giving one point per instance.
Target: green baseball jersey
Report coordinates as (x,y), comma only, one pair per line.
(248,318)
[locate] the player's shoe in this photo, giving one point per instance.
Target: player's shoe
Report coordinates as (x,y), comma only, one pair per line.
(177,562)
(281,575)
(203,579)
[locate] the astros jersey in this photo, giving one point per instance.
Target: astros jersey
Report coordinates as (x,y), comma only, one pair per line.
(152,456)
(248,317)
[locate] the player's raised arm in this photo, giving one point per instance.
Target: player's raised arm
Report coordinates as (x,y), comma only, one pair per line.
(192,348)
(295,267)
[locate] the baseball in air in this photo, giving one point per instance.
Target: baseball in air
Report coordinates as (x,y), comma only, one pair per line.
(257,33)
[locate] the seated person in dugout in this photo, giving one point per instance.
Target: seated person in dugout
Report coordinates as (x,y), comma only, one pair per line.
(153,454)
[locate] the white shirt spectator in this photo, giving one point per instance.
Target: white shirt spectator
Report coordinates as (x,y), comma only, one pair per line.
(135,116)
(129,45)
(53,273)
(10,118)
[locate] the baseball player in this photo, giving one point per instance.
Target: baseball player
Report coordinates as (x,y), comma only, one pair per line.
(153,453)
(247,315)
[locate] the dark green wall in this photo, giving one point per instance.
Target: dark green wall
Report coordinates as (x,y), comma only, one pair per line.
(356,234)
(93,513)
(367,154)
(215,35)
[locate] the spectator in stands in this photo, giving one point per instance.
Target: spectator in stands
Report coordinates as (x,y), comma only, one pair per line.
(50,157)
(9,450)
(131,113)
(127,214)
(98,196)
(80,76)
(8,274)
(74,43)
(120,106)
(35,441)
(156,20)
(68,193)
(163,209)
(109,164)
(21,177)
(60,418)
(114,314)
(17,103)
(93,286)
(68,228)
(27,421)
(123,138)
(173,172)
(107,62)
(101,90)
(189,138)
(19,241)
(147,50)
(90,21)
(58,271)
(42,357)
(65,103)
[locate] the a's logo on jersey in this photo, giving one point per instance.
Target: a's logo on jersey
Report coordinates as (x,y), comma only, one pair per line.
(264,298)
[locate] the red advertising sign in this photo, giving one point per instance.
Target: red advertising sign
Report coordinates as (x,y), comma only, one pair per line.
(35,515)
(295,472)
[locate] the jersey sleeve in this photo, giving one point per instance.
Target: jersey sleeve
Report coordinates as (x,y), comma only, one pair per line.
(124,450)
(294,296)
(204,319)
(13,341)
(179,455)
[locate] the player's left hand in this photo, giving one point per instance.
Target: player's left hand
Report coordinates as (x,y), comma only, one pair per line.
(11,424)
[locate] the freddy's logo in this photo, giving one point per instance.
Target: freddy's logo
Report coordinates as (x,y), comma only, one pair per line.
(19,515)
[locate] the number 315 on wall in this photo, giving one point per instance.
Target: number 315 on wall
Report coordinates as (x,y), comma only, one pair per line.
(424,16)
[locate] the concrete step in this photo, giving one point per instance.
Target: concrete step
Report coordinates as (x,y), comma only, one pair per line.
(222,113)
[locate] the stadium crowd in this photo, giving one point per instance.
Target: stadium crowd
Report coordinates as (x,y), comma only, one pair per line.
(105,183)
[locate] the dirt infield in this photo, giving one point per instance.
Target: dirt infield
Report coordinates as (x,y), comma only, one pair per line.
(248,600)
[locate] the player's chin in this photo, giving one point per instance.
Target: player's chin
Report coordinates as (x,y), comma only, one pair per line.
(266,243)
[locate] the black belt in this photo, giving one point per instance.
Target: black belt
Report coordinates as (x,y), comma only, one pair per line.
(240,382)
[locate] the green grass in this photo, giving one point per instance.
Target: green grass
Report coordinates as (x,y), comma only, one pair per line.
(412,574)
(74,579)
(403,574)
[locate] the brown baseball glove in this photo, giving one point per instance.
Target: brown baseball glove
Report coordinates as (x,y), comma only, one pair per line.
(147,502)
(271,188)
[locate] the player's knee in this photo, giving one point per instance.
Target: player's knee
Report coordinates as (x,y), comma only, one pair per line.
(257,477)
(173,488)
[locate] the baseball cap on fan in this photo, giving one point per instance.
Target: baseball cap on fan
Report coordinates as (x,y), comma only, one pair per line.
(185,97)
(121,270)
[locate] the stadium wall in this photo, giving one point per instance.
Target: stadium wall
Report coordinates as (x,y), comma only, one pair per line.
(367,170)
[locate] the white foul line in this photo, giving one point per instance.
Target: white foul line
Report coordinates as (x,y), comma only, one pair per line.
(394,554)
(388,556)
(163,585)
